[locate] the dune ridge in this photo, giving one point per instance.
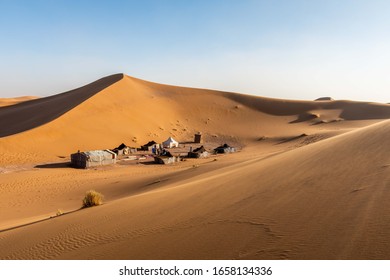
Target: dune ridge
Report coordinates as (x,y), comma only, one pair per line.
(15,100)
(33,113)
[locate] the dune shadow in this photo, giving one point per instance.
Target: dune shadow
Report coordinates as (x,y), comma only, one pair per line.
(37,221)
(54,165)
(292,139)
(49,108)
(305,117)
(188,142)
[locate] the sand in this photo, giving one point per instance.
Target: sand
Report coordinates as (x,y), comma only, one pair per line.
(15,100)
(310,180)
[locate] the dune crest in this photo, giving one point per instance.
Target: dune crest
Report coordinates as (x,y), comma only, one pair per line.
(16,100)
(28,115)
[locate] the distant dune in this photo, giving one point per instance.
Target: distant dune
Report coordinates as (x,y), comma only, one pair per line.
(28,115)
(327,98)
(15,100)
(310,180)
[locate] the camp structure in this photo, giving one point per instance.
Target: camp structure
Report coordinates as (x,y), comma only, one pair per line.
(224,149)
(166,158)
(170,143)
(150,145)
(198,137)
(92,158)
(122,149)
(198,153)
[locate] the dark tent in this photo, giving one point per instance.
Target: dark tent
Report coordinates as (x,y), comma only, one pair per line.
(123,149)
(224,149)
(198,153)
(120,147)
(148,145)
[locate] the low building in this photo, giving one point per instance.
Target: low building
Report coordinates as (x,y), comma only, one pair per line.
(92,158)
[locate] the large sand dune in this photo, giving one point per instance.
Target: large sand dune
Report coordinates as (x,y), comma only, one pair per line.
(314,187)
(120,109)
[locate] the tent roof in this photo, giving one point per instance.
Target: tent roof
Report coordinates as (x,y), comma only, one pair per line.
(170,140)
(201,149)
(150,143)
(120,147)
(99,154)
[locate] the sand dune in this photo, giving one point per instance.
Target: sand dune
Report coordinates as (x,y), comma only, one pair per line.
(120,109)
(15,100)
(28,115)
(320,207)
(310,181)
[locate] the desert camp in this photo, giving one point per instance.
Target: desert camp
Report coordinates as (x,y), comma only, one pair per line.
(244,140)
(182,193)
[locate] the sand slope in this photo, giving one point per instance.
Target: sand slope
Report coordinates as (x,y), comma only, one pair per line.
(27,115)
(310,202)
(120,109)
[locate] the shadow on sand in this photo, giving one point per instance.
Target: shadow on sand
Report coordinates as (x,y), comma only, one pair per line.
(291,139)
(38,221)
(54,165)
(148,163)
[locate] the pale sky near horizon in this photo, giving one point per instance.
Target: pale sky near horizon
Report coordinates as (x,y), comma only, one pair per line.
(297,49)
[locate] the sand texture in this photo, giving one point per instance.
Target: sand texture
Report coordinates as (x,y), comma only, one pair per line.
(311,180)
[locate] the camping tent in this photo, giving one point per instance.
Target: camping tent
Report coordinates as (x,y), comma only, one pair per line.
(122,149)
(224,149)
(198,153)
(170,143)
(149,146)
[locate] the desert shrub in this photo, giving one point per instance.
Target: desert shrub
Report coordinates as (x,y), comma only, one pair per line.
(92,198)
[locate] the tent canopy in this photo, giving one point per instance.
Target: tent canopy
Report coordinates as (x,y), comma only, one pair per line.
(170,143)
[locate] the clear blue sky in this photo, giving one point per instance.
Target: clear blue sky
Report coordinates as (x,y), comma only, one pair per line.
(299,49)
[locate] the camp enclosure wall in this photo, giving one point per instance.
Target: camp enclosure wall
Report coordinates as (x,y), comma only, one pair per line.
(92,158)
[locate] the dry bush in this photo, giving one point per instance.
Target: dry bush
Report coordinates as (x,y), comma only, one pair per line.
(92,198)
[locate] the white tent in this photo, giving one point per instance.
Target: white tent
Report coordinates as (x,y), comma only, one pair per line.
(170,143)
